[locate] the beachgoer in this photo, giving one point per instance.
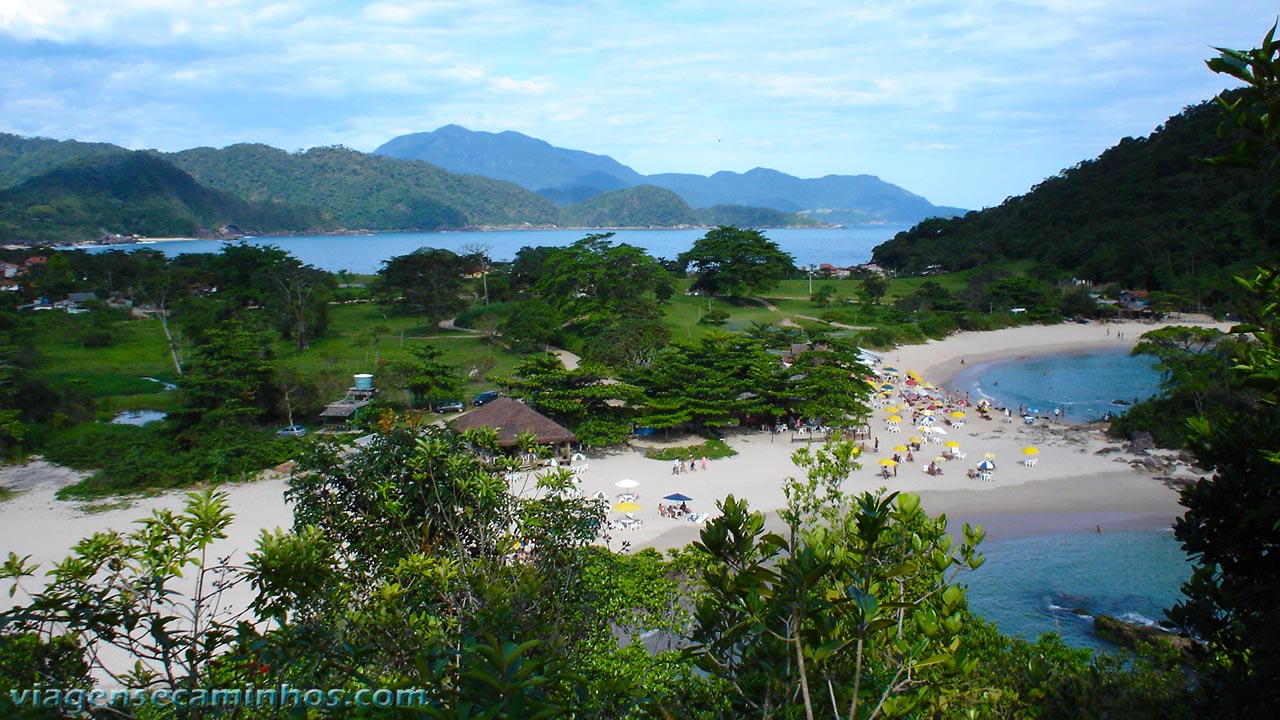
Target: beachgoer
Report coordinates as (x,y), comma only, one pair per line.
(1098,528)
(704,462)
(909,457)
(877,444)
(692,465)
(675,469)
(684,508)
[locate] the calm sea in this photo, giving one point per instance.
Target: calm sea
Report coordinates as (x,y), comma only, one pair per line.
(1084,386)
(364,254)
(1056,581)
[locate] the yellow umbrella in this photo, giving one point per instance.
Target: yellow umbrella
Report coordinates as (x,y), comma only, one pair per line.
(895,418)
(957,414)
(892,409)
(887,462)
(916,439)
(927,412)
(939,459)
(626,506)
(1030,450)
(899,448)
(951,443)
(989,455)
(926,385)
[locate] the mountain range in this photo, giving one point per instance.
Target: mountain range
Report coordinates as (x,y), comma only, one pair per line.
(571,176)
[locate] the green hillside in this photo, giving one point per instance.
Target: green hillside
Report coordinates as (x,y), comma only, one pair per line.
(366,191)
(134,193)
(643,206)
(1144,214)
(24,158)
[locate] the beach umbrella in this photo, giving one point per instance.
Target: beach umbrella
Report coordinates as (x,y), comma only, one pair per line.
(952,444)
(899,448)
(895,418)
(892,409)
(939,459)
(939,431)
(1030,450)
(917,439)
(891,370)
(626,506)
(626,483)
(986,465)
(926,429)
(912,381)
(886,386)
(677,497)
(957,414)
(600,495)
(989,455)
(927,418)
(888,462)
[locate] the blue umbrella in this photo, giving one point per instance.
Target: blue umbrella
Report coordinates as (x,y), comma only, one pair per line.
(986,465)
(678,497)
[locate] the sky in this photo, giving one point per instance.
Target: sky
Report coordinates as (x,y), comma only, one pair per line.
(965,102)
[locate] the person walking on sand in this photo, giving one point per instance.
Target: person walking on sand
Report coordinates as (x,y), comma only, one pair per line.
(704,462)
(675,468)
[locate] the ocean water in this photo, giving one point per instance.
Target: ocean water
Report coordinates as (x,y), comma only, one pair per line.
(1084,386)
(1058,582)
(364,254)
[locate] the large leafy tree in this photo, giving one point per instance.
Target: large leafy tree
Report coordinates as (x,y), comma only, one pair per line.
(1231,528)
(734,262)
(595,276)
(852,613)
(708,382)
(826,383)
(427,282)
(426,378)
(588,401)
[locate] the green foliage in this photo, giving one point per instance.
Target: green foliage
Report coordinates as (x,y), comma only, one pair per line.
(853,613)
(132,193)
(711,449)
(643,206)
(586,400)
(1143,214)
(735,262)
(27,660)
(708,382)
(426,378)
(426,282)
(122,591)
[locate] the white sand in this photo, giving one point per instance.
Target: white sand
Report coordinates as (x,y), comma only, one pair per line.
(1071,486)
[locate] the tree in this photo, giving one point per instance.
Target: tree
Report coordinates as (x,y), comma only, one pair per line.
(1231,528)
(733,262)
(852,613)
(826,383)
(595,276)
(228,381)
(426,379)
(711,381)
(595,406)
(426,282)
(874,286)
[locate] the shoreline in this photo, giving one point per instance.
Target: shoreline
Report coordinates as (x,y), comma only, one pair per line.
(1079,474)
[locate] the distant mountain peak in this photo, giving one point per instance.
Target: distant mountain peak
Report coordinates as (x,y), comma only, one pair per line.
(566,176)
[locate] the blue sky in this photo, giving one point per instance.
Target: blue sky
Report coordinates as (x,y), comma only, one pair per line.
(965,102)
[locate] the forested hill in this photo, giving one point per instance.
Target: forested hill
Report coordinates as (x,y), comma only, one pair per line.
(366,191)
(1145,214)
(127,192)
(650,206)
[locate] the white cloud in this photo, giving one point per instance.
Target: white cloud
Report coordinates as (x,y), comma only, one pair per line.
(923,90)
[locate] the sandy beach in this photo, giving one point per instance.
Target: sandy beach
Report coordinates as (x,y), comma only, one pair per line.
(1081,480)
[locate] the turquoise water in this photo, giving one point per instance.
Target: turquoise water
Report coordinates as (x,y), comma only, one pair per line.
(1058,582)
(1084,386)
(364,253)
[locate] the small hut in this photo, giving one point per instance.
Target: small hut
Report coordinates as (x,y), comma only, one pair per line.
(511,418)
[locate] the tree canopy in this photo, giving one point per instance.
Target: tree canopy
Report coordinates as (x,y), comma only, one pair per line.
(735,262)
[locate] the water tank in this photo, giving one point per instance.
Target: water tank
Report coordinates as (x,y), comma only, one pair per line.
(364,381)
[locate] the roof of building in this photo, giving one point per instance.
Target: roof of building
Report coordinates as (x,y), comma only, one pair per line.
(511,418)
